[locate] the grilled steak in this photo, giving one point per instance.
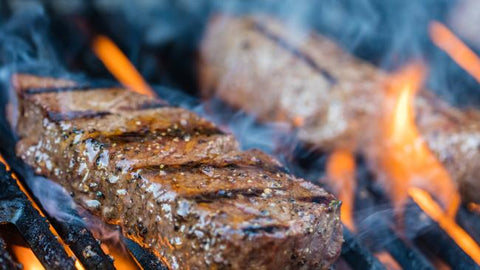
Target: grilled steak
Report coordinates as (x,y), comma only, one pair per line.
(331,98)
(174,182)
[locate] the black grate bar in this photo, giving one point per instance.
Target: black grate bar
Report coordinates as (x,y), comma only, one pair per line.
(6,261)
(15,208)
(384,236)
(356,255)
(146,259)
(435,239)
(85,247)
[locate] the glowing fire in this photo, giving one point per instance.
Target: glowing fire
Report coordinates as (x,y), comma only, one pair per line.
(341,175)
(401,153)
(455,48)
(122,261)
(446,222)
(387,260)
(119,65)
(474,207)
(26,257)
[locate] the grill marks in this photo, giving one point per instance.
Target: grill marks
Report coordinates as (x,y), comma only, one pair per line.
(36,91)
(307,59)
(72,115)
(206,165)
(270,229)
(209,197)
(273,183)
(143,135)
(88,114)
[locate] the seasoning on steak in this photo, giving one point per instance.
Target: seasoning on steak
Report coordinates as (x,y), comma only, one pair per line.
(173,181)
(263,67)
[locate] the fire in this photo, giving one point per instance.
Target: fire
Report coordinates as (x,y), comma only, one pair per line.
(474,207)
(446,222)
(119,65)
(401,153)
(341,175)
(26,257)
(122,260)
(386,259)
(455,48)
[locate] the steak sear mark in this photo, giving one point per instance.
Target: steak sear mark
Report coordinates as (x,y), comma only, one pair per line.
(35,91)
(71,115)
(295,51)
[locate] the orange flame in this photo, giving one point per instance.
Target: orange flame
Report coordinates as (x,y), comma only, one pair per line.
(387,260)
(403,155)
(455,48)
(122,260)
(119,65)
(341,174)
(446,222)
(26,258)
(474,207)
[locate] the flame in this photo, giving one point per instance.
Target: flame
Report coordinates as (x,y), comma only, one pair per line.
(473,207)
(119,65)
(121,259)
(402,154)
(387,260)
(26,257)
(446,222)
(298,121)
(455,48)
(341,174)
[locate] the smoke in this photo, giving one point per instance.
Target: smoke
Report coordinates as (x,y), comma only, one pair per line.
(25,44)
(59,205)
(54,199)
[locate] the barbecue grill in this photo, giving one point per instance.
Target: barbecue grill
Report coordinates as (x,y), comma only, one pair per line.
(381,240)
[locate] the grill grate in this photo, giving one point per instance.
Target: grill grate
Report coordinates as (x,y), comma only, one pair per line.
(17,209)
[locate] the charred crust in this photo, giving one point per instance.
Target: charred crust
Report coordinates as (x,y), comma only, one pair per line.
(209,197)
(325,200)
(268,229)
(207,164)
(152,104)
(142,134)
(307,59)
(72,115)
(35,91)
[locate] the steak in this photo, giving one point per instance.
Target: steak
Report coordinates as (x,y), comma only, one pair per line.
(329,97)
(173,181)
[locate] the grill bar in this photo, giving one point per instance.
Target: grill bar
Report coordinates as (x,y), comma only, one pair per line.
(16,209)
(356,255)
(383,235)
(146,259)
(470,221)
(85,247)
(6,261)
(435,240)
